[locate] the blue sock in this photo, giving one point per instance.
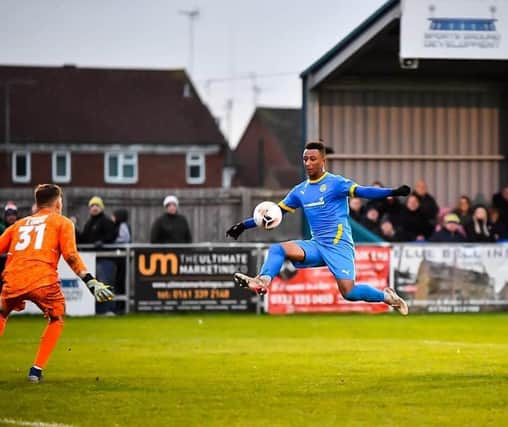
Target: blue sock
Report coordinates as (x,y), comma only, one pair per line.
(365,293)
(273,261)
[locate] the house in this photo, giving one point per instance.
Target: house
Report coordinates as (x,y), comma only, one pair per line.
(269,152)
(440,116)
(106,128)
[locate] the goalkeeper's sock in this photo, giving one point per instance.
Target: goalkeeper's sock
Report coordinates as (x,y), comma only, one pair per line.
(48,341)
(274,260)
(3,321)
(365,293)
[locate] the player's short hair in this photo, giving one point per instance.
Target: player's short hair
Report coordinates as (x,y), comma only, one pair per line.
(45,194)
(316,145)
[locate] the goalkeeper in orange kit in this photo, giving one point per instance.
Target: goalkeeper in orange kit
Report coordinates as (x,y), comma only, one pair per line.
(34,245)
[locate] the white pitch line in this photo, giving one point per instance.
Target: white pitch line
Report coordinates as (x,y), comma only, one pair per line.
(31,423)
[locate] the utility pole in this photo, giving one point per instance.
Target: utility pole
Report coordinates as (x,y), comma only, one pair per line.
(256,89)
(192,14)
(7,103)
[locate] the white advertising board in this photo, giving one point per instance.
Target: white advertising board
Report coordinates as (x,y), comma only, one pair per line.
(78,299)
(454,29)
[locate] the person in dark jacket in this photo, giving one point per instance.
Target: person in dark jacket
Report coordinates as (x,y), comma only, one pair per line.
(356,208)
(464,209)
(450,232)
(498,228)
(170,227)
(371,220)
(99,229)
(500,202)
(411,222)
(478,230)
(389,232)
(428,205)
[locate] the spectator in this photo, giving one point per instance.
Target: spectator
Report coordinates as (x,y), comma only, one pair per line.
(10,214)
(170,227)
(500,201)
(498,228)
(428,205)
(122,228)
(464,210)
(99,229)
(412,222)
(356,209)
(389,232)
(478,230)
(450,232)
(123,234)
(371,220)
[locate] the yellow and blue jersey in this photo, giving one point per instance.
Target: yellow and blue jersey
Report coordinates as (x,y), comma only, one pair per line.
(325,202)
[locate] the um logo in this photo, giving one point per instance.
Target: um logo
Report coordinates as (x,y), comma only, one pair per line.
(158,263)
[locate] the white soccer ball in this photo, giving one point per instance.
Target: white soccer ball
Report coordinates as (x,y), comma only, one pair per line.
(267,215)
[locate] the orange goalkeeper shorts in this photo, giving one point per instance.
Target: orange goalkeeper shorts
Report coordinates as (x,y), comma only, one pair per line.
(49,299)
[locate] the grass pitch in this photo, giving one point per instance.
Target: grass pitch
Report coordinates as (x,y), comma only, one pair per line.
(243,370)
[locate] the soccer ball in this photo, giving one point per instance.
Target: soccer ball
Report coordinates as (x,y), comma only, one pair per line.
(267,215)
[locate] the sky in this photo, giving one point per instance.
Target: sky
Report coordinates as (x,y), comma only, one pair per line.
(245,53)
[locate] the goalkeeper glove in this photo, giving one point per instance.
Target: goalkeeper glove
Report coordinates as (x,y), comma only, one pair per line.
(101,292)
(403,190)
(236,230)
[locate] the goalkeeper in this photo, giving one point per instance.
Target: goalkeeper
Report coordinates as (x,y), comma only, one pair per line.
(33,246)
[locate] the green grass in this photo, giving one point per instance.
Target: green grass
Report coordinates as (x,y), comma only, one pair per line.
(225,370)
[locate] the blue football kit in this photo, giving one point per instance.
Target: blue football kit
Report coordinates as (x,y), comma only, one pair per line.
(325,204)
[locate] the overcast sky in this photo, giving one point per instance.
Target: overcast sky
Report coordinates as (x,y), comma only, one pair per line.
(237,44)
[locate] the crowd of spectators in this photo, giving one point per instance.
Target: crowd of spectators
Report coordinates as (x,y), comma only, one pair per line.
(418,217)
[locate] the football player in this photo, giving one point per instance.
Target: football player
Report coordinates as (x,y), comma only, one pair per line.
(324,199)
(34,245)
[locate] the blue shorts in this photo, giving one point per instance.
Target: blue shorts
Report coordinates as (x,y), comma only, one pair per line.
(340,259)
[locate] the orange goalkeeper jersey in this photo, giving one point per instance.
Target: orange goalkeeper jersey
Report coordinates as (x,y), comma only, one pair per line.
(34,245)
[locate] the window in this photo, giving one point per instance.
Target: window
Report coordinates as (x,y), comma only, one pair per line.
(195,170)
(21,168)
(61,166)
(121,168)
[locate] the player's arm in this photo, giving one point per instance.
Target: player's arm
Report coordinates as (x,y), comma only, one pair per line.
(71,255)
(285,206)
(378,192)
(5,239)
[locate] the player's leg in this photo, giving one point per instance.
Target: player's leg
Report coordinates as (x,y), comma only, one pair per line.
(363,292)
(6,306)
(51,301)
(340,261)
(3,317)
(302,252)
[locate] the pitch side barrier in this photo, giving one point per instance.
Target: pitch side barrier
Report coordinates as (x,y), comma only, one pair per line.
(197,277)
(179,277)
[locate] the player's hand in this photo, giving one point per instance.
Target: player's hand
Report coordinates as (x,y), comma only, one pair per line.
(403,190)
(236,230)
(101,291)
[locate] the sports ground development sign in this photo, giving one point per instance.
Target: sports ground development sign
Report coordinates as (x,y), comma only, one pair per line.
(454,29)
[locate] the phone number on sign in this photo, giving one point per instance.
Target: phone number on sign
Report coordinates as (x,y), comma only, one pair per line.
(195,294)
